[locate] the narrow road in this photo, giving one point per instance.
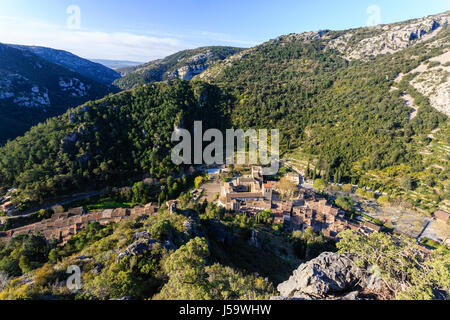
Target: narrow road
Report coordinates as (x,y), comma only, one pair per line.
(63,202)
(76,198)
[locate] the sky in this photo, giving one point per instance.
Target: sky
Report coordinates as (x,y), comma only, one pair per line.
(144,30)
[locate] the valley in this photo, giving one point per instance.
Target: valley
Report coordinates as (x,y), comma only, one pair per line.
(87,175)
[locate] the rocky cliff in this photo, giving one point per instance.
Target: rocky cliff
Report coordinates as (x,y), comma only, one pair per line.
(330,277)
(429,34)
(33,88)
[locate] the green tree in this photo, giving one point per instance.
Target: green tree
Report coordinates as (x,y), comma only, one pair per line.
(286,188)
(264,216)
(345,203)
(348,188)
(198,181)
(186,271)
(400,264)
(319,184)
(406,183)
(383,200)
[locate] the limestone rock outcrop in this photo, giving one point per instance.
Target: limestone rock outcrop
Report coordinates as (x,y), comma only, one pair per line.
(142,246)
(328,276)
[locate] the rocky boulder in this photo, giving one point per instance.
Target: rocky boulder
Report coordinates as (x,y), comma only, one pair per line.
(142,246)
(255,240)
(330,274)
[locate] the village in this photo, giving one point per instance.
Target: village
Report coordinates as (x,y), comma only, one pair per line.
(248,194)
(251,195)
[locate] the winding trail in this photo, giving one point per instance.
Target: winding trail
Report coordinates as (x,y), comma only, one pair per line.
(408,100)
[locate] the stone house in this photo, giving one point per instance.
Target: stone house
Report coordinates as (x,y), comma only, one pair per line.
(442,215)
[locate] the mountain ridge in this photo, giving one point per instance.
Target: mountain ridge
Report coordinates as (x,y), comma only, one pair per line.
(340,39)
(33,89)
(85,67)
(183,65)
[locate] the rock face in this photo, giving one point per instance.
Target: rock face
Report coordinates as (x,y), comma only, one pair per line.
(183,65)
(385,39)
(363,43)
(193,66)
(255,241)
(142,246)
(432,79)
(330,274)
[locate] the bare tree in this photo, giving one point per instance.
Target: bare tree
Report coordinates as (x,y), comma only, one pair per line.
(286,188)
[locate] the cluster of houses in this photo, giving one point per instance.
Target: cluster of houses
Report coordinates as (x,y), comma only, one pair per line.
(248,194)
(251,195)
(63,226)
(311,211)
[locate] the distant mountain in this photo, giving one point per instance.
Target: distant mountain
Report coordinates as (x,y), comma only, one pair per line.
(33,89)
(87,68)
(116,64)
(183,65)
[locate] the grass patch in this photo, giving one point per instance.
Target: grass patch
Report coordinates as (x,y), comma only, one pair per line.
(109,203)
(431,244)
(98,203)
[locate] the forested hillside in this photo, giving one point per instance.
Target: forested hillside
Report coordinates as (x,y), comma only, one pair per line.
(333,109)
(108,141)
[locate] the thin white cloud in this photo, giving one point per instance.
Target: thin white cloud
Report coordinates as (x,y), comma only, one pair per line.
(223,37)
(86,43)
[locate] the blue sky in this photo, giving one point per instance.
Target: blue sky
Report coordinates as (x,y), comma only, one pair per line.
(145,30)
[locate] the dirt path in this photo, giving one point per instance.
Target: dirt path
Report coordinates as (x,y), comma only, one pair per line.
(409,102)
(431,135)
